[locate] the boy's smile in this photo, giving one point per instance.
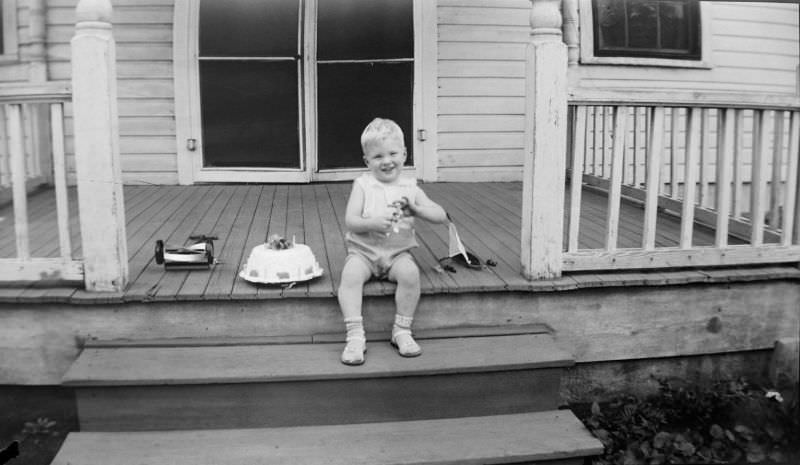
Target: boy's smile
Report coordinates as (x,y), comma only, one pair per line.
(385,159)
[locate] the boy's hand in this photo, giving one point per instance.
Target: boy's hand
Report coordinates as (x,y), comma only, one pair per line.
(381,224)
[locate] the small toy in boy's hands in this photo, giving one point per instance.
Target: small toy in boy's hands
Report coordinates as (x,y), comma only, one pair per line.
(401,210)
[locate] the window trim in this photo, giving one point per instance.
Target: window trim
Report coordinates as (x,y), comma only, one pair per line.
(187,101)
(587,56)
(10,46)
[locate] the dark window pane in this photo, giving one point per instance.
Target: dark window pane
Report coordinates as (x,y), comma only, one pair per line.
(647,28)
(365,29)
(642,24)
(255,28)
(250,114)
(2,33)
(674,26)
(350,96)
(610,18)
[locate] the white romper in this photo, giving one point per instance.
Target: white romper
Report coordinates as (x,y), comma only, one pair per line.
(381,250)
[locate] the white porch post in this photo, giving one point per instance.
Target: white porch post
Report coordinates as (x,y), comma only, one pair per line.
(97,158)
(545,144)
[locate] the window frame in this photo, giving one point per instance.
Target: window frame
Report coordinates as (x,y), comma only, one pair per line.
(588,57)
(187,104)
(10,45)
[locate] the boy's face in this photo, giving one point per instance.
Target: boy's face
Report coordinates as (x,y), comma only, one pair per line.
(385,158)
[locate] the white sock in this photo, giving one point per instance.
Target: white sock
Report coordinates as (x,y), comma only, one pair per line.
(353,353)
(402,324)
(355,329)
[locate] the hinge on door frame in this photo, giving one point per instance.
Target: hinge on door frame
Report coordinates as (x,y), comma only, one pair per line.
(191,144)
(422,134)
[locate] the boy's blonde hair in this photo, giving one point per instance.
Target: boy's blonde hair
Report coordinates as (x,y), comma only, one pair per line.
(380,129)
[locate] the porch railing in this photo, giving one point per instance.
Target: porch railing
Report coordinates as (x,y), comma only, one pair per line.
(33,122)
(726,163)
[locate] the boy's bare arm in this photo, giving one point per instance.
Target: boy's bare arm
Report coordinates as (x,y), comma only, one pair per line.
(427,209)
(357,223)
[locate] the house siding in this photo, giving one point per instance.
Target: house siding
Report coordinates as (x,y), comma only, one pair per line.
(480,77)
(481,80)
(143,35)
(754,49)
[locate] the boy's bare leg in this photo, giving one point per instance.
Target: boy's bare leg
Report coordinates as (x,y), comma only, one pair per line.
(351,289)
(406,274)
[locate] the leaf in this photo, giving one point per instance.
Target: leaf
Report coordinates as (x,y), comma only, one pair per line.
(596,409)
(774,431)
(684,446)
(646,450)
(631,459)
(717,432)
(777,456)
(743,430)
(755,454)
(661,439)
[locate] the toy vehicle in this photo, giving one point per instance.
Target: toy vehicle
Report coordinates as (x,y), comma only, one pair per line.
(198,254)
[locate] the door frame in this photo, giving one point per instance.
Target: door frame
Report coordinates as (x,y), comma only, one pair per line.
(189,144)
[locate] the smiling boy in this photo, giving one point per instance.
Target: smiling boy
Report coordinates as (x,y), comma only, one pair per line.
(380,232)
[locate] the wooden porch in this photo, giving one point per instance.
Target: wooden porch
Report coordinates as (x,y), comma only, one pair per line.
(242,216)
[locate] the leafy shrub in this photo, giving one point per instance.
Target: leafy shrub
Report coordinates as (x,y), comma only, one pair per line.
(732,422)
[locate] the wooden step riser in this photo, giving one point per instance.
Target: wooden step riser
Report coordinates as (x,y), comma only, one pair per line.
(323,402)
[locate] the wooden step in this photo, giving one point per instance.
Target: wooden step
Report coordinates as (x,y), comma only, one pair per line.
(552,437)
(251,386)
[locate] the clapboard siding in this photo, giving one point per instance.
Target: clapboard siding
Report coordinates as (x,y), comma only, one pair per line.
(481,78)
(143,35)
(12,71)
(482,43)
(754,48)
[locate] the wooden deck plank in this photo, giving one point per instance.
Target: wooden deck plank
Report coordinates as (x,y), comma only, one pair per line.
(295,228)
(504,246)
(256,235)
(335,250)
(216,221)
(40,208)
(478,234)
(229,249)
(434,279)
(487,214)
(174,231)
(490,203)
(145,274)
(315,238)
(276,225)
(466,278)
(43,239)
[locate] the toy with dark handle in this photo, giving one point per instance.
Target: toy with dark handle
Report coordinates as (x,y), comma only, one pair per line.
(199,253)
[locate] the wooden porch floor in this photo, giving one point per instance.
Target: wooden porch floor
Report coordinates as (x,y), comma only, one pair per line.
(242,216)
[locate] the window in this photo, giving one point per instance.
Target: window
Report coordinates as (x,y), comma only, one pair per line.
(648,28)
(646,32)
(8,29)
